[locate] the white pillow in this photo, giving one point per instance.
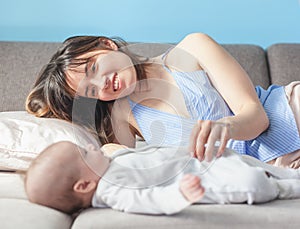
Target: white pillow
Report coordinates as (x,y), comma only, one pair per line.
(23,136)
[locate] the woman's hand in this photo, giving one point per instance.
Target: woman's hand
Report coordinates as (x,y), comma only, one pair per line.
(190,187)
(205,136)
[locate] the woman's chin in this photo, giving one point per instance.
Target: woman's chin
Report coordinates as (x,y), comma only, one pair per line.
(125,92)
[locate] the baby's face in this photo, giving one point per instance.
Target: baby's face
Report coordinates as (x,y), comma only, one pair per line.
(97,160)
(94,159)
(110,148)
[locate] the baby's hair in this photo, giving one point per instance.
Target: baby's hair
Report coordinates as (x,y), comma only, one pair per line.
(57,192)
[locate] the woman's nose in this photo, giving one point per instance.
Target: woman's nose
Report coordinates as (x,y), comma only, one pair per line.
(101,82)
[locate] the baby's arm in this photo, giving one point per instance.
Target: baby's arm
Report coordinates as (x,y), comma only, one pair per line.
(190,186)
(161,199)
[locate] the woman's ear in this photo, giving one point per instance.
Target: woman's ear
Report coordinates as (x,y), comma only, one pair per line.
(109,43)
(84,186)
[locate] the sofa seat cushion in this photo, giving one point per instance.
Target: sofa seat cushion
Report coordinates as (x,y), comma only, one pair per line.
(17,213)
(269,215)
(12,185)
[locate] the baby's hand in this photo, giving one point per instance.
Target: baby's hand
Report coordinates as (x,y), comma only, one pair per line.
(190,187)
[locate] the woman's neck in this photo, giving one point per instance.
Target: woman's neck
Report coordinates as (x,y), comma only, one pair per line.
(154,68)
(154,71)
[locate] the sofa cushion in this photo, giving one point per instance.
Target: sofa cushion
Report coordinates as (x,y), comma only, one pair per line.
(12,185)
(269,215)
(20,63)
(284,63)
(16,213)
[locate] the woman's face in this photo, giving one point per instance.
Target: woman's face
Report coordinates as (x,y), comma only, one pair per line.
(108,75)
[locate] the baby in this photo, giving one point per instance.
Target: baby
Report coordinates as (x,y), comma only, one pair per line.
(152,180)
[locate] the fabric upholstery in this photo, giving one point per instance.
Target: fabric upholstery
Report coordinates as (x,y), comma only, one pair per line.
(20,63)
(16,213)
(284,63)
(268,216)
(12,186)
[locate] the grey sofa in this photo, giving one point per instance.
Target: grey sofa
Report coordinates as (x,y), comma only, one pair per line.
(19,65)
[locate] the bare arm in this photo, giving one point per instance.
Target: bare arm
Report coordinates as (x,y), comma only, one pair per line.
(235,86)
(124,132)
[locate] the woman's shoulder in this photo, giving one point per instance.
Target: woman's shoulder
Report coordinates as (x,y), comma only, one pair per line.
(198,47)
(194,39)
(183,55)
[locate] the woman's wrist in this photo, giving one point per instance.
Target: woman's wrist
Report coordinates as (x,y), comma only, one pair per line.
(227,123)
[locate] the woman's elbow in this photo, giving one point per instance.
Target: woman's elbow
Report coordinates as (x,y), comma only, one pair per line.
(265,121)
(198,37)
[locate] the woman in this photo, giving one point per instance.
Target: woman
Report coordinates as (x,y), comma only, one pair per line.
(195,94)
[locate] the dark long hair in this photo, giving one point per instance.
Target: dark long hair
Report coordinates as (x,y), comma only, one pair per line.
(52,97)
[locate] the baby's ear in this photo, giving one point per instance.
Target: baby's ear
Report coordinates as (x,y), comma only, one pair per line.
(84,186)
(90,147)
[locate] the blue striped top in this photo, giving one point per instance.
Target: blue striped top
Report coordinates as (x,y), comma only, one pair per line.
(203,102)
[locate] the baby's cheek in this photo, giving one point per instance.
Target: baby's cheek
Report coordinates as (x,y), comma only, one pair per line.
(110,148)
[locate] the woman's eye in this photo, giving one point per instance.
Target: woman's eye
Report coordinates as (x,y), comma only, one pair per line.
(93,67)
(93,91)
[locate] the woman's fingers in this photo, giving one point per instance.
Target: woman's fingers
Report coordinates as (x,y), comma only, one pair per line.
(225,136)
(217,140)
(205,136)
(199,137)
(194,137)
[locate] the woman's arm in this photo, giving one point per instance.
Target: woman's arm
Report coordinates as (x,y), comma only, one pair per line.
(121,118)
(235,86)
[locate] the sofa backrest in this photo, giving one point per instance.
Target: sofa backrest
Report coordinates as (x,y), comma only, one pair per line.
(20,63)
(284,62)
(253,59)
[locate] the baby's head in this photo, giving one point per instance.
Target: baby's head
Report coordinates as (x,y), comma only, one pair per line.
(64,176)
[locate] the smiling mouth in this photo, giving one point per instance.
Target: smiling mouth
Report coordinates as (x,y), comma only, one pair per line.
(116,82)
